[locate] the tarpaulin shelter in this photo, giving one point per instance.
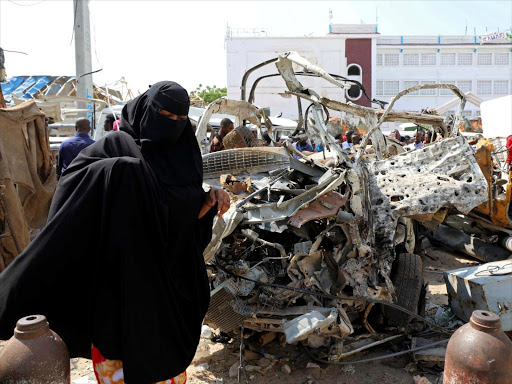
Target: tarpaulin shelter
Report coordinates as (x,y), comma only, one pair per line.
(27,177)
(38,87)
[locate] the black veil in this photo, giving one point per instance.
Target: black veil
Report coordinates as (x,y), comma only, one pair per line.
(119,263)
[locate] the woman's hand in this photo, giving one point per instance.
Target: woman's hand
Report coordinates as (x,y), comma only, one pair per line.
(214,196)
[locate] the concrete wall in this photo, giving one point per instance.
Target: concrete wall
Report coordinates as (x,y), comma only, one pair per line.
(244,53)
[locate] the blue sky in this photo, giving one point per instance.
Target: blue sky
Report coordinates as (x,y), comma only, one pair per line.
(148,41)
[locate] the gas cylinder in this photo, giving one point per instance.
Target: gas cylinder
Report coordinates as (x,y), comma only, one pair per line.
(479,352)
(34,355)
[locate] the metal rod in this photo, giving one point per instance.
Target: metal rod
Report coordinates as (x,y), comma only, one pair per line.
(371,345)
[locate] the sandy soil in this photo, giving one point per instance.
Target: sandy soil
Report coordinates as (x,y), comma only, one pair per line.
(213,361)
(435,261)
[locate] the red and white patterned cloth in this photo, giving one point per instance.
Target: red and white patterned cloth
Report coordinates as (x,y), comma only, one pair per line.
(111,371)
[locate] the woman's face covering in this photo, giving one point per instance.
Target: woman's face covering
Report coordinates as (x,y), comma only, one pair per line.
(166,114)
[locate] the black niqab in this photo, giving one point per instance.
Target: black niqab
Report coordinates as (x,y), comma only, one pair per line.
(165,141)
(119,263)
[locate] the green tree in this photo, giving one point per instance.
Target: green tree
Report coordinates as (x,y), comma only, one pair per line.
(209,94)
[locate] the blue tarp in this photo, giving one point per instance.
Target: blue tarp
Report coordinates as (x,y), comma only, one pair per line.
(20,91)
(40,84)
(12,84)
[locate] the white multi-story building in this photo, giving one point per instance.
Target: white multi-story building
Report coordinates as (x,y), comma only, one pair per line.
(384,65)
(406,61)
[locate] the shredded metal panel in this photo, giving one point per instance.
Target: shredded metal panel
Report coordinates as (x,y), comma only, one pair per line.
(244,160)
(422,181)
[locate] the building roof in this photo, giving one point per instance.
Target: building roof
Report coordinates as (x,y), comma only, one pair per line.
(347,29)
(353,28)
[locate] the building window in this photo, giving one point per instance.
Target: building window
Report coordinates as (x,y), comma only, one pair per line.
(428,92)
(354,92)
(449,113)
(444,91)
(354,70)
(501,59)
(409,84)
(428,59)
(391,88)
(501,87)
(478,113)
(380,88)
(464,85)
(411,59)
(484,58)
(464,59)
(466,114)
(391,59)
(447,58)
(379,58)
(484,87)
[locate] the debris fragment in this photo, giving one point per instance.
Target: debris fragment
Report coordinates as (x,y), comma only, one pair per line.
(201,367)
(421,380)
(206,332)
(233,370)
(264,362)
(348,369)
(286,369)
(235,185)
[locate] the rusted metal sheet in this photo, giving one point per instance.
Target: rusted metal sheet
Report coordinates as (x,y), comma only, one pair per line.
(323,207)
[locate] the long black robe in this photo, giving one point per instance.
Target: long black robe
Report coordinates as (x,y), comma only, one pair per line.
(119,263)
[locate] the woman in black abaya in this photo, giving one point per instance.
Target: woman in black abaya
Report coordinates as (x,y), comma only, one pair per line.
(119,264)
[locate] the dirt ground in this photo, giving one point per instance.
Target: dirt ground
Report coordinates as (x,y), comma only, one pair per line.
(213,361)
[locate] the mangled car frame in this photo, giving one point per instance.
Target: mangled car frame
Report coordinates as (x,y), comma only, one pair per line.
(311,244)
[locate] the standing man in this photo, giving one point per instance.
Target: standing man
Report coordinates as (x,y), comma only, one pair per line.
(418,141)
(303,145)
(348,143)
(226,126)
(108,126)
(395,134)
(70,148)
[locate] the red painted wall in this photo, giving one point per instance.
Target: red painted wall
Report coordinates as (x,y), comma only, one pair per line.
(359,51)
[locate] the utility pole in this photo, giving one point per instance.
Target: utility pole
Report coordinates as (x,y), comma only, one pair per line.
(82,30)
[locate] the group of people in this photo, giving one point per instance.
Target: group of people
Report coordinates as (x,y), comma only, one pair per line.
(420,139)
(344,141)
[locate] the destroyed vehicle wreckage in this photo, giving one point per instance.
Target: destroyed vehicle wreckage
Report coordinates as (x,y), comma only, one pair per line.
(308,246)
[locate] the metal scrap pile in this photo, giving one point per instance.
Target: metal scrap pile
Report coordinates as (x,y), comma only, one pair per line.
(305,239)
